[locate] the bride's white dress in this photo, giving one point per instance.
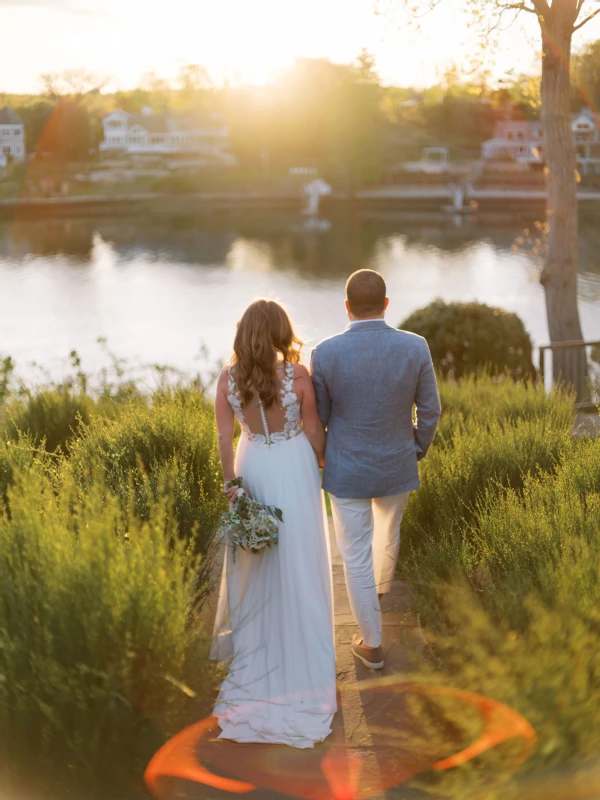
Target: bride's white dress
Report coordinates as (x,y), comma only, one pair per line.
(275,611)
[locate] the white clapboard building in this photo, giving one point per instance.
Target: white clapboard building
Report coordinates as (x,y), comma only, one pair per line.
(523,141)
(166,134)
(12,137)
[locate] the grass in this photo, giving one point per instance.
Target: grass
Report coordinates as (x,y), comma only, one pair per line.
(52,418)
(505,573)
(106,527)
(492,435)
(95,637)
(108,514)
(172,436)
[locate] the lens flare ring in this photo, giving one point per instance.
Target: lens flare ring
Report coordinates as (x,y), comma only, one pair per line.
(331,770)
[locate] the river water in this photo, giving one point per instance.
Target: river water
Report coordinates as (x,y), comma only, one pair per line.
(161,289)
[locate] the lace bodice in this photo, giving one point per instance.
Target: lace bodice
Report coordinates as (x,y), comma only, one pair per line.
(289,403)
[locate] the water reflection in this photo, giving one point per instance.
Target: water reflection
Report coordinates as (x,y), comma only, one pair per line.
(348,243)
(158,286)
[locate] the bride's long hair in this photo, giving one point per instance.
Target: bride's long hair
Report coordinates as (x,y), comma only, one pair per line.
(264,336)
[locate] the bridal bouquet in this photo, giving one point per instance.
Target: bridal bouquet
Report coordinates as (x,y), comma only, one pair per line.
(250,525)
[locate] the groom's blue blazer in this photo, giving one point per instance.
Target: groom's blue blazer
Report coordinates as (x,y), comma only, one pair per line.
(367,381)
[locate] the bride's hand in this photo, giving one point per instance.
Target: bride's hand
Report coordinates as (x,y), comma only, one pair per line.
(230,491)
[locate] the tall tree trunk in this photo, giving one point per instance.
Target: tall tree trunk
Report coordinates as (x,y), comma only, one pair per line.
(559,276)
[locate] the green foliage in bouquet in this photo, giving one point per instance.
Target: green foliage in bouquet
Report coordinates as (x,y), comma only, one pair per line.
(250,525)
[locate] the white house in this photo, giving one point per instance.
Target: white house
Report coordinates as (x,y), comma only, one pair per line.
(585,134)
(519,140)
(523,141)
(12,137)
(164,134)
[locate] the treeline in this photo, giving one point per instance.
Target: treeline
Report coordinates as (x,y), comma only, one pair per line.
(339,118)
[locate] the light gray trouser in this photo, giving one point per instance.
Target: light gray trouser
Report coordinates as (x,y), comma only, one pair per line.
(368,535)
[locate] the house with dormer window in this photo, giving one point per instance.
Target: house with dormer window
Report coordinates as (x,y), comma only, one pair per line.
(519,140)
(12,137)
(523,141)
(166,134)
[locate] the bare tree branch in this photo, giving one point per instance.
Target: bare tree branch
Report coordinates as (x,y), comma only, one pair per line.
(497,25)
(431,5)
(75,83)
(516,7)
(586,20)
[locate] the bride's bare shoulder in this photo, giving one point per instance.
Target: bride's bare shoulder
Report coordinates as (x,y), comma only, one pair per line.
(300,371)
(223,380)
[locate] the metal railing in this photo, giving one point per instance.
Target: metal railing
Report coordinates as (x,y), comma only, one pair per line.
(577,369)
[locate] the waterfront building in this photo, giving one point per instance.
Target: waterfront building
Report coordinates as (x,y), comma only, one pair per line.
(523,141)
(166,134)
(12,137)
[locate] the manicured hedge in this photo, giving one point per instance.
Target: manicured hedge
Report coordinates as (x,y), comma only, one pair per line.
(469,337)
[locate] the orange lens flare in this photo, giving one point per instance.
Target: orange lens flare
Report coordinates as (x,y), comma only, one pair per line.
(177,759)
(332,771)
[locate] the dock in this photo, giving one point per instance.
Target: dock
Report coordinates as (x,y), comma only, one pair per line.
(415,199)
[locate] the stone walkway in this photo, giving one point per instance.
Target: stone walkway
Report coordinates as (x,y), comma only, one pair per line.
(368,718)
(587,425)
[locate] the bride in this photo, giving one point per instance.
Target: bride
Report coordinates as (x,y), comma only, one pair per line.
(275,612)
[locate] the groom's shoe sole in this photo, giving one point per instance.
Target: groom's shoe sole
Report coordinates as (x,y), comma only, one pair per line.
(369,664)
(362,654)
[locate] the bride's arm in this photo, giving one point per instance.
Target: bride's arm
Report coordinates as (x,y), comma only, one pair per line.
(311,424)
(225,430)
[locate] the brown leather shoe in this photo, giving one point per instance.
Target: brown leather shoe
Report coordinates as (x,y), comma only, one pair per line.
(370,657)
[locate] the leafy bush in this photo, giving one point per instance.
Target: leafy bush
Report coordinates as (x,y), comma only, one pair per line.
(20,454)
(481,398)
(95,639)
(492,436)
(509,586)
(7,368)
(52,417)
(136,453)
(468,337)
(520,540)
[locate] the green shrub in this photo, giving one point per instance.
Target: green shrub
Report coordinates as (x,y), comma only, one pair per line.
(136,453)
(482,398)
(7,368)
(21,453)
(549,672)
(520,539)
(468,337)
(514,603)
(52,417)
(95,640)
(481,458)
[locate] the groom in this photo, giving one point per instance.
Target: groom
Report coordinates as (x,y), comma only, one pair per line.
(367,380)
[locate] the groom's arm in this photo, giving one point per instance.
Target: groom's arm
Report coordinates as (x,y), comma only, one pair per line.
(321,390)
(427,401)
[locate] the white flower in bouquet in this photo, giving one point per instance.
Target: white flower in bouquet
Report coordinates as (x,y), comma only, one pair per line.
(248,524)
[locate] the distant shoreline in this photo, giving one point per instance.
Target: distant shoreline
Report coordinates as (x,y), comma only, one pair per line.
(386,198)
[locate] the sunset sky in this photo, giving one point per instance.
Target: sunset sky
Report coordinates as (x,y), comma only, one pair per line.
(238,39)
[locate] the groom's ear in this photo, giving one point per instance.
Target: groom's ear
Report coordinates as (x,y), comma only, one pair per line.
(347,304)
(386,304)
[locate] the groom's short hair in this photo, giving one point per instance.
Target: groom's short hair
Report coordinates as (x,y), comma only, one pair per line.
(365,292)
